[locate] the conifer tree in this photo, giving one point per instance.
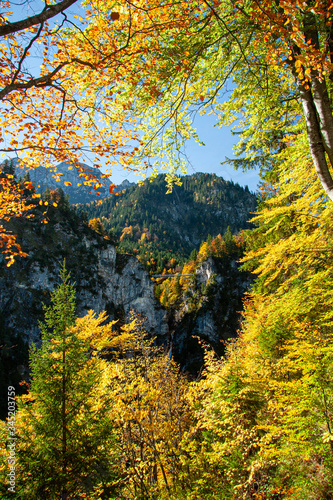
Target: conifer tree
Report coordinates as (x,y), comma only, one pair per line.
(228,240)
(64,426)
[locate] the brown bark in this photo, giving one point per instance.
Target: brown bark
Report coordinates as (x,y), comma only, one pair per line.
(47,13)
(43,81)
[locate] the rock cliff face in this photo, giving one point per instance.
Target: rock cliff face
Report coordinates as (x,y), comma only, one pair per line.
(116,283)
(210,310)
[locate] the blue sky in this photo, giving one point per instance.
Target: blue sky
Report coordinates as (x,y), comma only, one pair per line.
(219,144)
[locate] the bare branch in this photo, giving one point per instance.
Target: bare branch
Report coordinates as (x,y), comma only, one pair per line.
(47,13)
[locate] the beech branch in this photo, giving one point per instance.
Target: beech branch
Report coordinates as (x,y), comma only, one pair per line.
(42,81)
(47,13)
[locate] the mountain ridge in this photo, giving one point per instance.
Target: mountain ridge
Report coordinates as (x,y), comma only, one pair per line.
(44,178)
(159,227)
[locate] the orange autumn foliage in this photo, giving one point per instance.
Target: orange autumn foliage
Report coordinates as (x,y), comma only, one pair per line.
(12,204)
(70,105)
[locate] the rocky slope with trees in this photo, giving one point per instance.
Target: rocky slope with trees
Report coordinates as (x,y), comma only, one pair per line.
(163,229)
(204,303)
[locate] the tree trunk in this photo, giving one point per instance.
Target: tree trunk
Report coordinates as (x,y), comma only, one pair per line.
(64,493)
(316,141)
(323,108)
(319,89)
(317,111)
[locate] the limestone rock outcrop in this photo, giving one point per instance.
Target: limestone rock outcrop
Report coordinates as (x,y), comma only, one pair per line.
(117,284)
(210,310)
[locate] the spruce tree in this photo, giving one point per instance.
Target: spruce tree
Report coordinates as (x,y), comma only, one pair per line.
(229,240)
(65,435)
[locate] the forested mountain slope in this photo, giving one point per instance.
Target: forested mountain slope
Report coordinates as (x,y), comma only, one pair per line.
(71,181)
(161,227)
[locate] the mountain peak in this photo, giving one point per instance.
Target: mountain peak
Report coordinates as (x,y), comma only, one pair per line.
(43,177)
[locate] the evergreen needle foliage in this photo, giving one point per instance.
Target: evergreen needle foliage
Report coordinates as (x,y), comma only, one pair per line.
(65,437)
